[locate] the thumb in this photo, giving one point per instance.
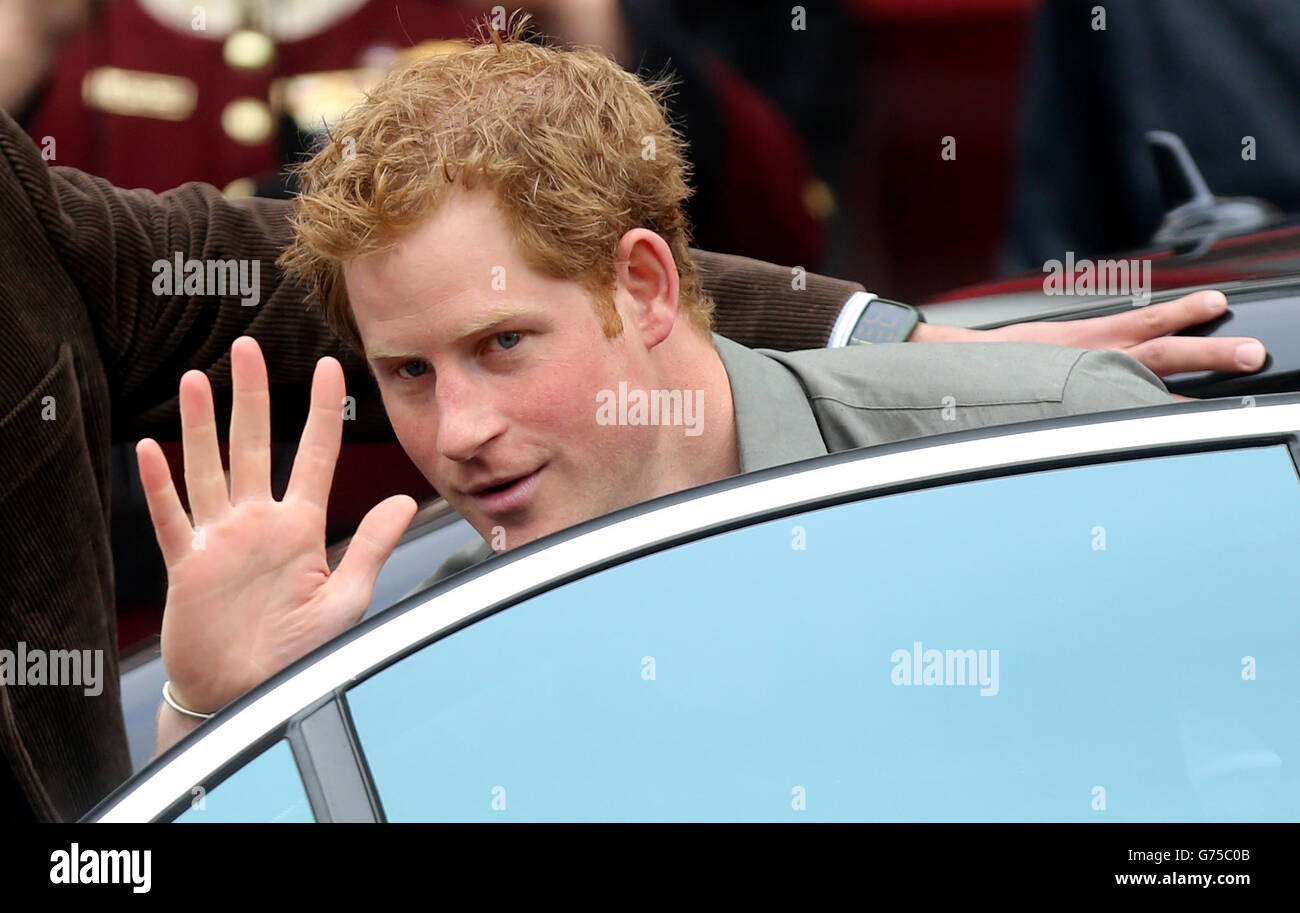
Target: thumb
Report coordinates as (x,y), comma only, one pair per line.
(373,542)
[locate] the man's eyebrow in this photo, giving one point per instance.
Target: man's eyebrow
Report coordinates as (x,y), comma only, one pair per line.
(378,353)
(491,319)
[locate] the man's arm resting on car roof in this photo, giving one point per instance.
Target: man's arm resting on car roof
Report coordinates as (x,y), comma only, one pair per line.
(758,306)
(1101,381)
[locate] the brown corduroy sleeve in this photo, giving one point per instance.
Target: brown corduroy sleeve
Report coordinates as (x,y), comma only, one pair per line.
(109,240)
(765,306)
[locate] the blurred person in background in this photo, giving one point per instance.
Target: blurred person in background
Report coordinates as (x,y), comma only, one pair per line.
(1222,74)
(153,93)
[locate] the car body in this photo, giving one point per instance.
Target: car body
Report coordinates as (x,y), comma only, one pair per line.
(1082,618)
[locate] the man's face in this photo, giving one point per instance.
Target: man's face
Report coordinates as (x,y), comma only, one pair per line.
(490,370)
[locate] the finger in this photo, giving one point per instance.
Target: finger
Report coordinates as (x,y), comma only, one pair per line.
(1152,321)
(250,424)
(370,547)
(170,525)
(204,479)
(1173,354)
(318,451)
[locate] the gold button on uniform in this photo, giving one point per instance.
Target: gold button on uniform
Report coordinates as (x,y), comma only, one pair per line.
(248,50)
(239,188)
(818,199)
(247,121)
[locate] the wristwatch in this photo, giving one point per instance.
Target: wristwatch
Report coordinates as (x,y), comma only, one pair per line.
(867,319)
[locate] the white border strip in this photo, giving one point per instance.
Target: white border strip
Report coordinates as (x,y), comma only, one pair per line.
(198,762)
(850,314)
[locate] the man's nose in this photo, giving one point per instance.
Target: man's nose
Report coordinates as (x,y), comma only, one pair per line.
(467,418)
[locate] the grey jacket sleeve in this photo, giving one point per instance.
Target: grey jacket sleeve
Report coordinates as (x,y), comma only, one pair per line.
(1104,379)
(879,394)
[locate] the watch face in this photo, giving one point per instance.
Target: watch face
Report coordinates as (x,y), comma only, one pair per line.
(883,321)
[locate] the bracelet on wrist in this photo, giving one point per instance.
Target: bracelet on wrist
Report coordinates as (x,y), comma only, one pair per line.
(171,702)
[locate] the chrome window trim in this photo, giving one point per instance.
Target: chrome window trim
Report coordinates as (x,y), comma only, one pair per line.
(850,313)
(1111,434)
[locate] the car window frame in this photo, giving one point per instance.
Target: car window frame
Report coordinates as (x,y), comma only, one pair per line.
(163,788)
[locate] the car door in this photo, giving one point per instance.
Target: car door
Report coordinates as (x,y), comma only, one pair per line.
(1080,619)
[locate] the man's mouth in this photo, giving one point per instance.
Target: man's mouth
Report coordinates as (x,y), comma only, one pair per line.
(508,495)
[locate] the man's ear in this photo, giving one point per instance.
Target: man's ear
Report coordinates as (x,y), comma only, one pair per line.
(645,278)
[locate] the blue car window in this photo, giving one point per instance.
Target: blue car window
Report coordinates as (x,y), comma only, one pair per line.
(266,789)
(1113,642)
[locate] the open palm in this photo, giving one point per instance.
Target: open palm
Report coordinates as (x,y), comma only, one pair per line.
(248,586)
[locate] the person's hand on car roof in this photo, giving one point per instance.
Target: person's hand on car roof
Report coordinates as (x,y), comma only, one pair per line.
(1143,334)
(248,587)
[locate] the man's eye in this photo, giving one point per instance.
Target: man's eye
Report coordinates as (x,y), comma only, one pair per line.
(410,370)
(508,340)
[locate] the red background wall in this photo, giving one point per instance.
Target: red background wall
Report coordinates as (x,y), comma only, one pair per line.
(933,68)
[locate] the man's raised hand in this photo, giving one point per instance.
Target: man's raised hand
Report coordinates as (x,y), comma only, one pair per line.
(248,587)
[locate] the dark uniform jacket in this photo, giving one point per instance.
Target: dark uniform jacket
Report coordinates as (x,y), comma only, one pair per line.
(142,103)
